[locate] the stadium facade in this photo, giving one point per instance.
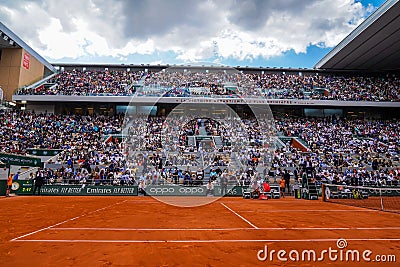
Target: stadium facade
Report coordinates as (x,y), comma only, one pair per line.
(20,65)
(115,103)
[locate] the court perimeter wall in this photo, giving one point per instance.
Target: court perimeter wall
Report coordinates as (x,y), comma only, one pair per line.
(26,188)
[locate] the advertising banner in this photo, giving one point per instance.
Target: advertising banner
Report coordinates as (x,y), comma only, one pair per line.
(232,191)
(26,61)
(22,187)
(17,160)
(26,188)
(175,190)
(3,187)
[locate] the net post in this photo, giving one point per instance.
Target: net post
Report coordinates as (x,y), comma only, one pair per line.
(380,196)
(323,192)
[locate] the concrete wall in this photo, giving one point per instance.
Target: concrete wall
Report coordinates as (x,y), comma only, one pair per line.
(38,108)
(31,75)
(10,65)
(12,72)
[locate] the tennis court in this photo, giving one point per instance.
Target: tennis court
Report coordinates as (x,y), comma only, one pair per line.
(141,231)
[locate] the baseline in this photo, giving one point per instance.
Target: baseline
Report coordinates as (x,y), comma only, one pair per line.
(220,229)
(204,241)
(284,211)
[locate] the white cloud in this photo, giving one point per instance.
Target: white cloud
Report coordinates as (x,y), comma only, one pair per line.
(242,30)
(60,44)
(157,62)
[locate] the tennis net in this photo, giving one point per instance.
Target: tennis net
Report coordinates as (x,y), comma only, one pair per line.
(378,198)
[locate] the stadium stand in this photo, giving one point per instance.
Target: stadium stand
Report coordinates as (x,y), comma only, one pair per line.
(79,82)
(337,147)
(272,86)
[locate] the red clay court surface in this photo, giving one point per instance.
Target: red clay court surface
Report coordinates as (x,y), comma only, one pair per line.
(141,231)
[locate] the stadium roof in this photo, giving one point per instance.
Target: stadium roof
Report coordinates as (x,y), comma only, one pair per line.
(373,46)
(8,39)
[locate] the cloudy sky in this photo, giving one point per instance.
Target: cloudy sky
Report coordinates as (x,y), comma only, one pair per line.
(268,33)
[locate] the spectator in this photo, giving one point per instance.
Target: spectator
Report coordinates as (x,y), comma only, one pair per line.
(16,176)
(286,177)
(142,188)
(210,188)
(224,183)
(9,184)
(282,186)
(39,181)
(169,83)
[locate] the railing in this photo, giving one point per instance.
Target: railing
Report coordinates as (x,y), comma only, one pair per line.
(37,84)
(26,174)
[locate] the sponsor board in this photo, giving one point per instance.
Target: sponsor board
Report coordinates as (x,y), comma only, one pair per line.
(237,191)
(11,159)
(22,187)
(388,191)
(231,191)
(176,190)
(3,187)
(26,188)
(26,60)
(171,190)
(371,191)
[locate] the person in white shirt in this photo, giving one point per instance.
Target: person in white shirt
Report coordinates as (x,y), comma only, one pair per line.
(210,188)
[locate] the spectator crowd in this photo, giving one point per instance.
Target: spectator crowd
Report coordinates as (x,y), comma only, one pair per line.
(228,83)
(239,149)
(340,149)
(88,83)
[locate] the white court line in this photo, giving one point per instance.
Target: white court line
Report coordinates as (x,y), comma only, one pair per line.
(203,241)
(222,229)
(241,217)
(283,211)
(77,217)
(152,229)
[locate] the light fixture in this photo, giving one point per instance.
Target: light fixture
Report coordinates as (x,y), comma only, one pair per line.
(11,42)
(5,37)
